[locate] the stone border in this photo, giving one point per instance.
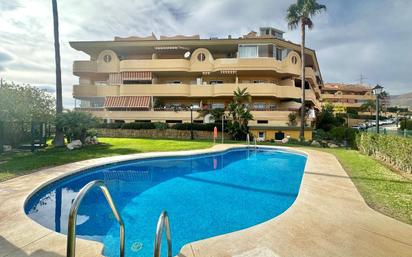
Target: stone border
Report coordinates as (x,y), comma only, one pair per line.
(328,218)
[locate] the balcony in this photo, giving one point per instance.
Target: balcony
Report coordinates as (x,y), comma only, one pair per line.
(80,67)
(84,91)
(275,117)
(183,65)
(347,96)
(155,65)
(186,90)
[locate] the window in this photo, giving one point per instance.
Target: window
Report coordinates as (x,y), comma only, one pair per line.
(137,82)
(255,51)
(279,135)
(214,82)
(218,106)
(294,60)
(201,57)
(261,135)
(173,121)
(262,122)
(92,103)
(259,105)
(142,121)
(265,50)
(107,58)
(174,82)
(248,51)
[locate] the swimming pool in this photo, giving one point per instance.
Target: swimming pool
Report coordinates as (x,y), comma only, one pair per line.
(205,195)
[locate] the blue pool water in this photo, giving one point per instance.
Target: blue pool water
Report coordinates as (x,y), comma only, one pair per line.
(204,195)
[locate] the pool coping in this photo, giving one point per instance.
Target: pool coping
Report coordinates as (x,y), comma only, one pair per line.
(379,235)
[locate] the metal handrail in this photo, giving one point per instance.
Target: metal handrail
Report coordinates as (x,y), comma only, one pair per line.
(162,222)
(71,233)
(255,142)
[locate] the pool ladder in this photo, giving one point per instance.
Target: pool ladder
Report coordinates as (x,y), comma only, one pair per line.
(163,222)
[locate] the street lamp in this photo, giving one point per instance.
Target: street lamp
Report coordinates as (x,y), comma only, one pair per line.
(191,122)
(377,91)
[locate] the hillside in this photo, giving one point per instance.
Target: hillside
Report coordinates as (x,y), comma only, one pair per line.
(404,100)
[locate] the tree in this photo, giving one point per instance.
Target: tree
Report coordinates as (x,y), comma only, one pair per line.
(59,137)
(241,96)
(75,124)
(384,102)
(326,119)
(369,106)
(302,12)
(240,114)
(292,119)
(25,103)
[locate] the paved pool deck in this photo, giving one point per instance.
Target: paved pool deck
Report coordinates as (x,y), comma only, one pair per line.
(328,218)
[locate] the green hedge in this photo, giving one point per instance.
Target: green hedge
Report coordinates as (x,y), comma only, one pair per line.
(197,126)
(394,150)
(138,125)
(406,124)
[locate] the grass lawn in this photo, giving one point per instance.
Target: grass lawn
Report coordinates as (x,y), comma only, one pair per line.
(383,189)
(17,164)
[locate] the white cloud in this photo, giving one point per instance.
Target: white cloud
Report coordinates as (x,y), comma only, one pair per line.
(352,37)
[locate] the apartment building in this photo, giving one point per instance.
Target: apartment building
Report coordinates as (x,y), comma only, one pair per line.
(346,95)
(161,79)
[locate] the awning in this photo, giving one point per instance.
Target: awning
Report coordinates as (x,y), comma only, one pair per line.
(137,75)
(127,102)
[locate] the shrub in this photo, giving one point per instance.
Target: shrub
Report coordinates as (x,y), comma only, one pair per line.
(326,119)
(292,119)
(320,134)
(138,125)
(161,125)
(406,124)
(197,126)
(339,134)
(75,124)
(109,125)
(396,151)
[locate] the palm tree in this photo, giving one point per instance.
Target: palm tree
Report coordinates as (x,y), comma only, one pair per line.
(241,95)
(59,137)
(240,114)
(369,106)
(302,12)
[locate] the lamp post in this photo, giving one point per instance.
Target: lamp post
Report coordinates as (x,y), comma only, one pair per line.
(191,122)
(377,91)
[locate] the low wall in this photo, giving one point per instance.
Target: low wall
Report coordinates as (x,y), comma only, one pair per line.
(157,133)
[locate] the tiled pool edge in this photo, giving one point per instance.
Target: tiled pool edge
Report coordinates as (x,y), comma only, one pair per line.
(20,236)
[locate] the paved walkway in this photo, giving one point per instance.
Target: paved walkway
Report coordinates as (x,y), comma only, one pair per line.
(329,218)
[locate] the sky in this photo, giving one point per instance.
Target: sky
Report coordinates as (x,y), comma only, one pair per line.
(368,37)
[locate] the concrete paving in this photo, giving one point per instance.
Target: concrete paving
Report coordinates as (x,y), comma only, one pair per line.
(328,218)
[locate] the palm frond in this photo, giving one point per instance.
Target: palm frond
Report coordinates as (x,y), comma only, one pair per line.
(293,16)
(303,10)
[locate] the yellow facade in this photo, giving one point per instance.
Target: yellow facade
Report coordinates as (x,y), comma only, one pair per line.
(269,133)
(346,95)
(178,72)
